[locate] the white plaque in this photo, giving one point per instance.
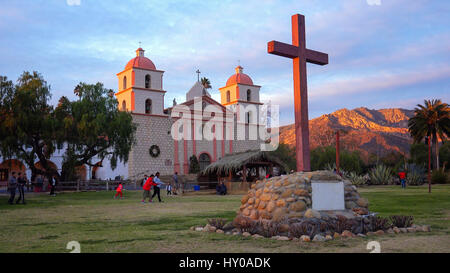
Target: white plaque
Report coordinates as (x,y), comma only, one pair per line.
(328,195)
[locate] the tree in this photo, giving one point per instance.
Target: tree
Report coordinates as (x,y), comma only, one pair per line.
(28,124)
(194,166)
(349,161)
(287,155)
(206,83)
(431,120)
(94,127)
(444,154)
(418,153)
(31,129)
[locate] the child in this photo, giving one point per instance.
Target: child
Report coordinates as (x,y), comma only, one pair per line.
(169,189)
(119,191)
(147,187)
(402,176)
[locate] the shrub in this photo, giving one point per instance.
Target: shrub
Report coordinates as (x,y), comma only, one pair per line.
(415,174)
(305,227)
(401,221)
(217,222)
(245,224)
(380,175)
(438,177)
(357,180)
(268,228)
(194,166)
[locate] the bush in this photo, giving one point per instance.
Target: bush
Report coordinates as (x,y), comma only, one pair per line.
(268,228)
(217,222)
(245,224)
(357,180)
(380,175)
(401,221)
(415,174)
(438,177)
(194,166)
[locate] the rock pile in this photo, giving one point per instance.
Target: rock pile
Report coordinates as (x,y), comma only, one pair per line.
(284,197)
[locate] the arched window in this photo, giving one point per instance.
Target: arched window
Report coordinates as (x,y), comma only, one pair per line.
(228,96)
(125,82)
(147,81)
(249,95)
(249,115)
(204,160)
(124,105)
(148,106)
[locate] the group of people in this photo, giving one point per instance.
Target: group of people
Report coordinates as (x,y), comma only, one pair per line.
(18,181)
(149,182)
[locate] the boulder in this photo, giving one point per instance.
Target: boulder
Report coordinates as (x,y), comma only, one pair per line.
(305,238)
(246,234)
(362,202)
(219,231)
(310,213)
(318,238)
(347,234)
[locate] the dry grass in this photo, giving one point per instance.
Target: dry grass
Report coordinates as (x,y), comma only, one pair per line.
(102,224)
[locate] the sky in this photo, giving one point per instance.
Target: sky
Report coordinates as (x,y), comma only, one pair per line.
(382,54)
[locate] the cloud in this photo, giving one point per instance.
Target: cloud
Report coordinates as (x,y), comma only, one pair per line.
(73,2)
(374,2)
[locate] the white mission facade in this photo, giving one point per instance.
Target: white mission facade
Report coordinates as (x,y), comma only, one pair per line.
(141,92)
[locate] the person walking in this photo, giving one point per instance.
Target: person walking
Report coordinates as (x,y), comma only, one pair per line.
(39,183)
(402,176)
(52,184)
(147,187)
(157,188)
(12,185)
(176,183)
(119,191)
(21,186)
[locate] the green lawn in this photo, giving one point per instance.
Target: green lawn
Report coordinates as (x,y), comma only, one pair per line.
(101,224)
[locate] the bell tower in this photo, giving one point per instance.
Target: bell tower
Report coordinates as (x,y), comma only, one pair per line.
(141,86)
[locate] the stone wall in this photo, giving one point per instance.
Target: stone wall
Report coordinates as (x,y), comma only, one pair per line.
(290,196)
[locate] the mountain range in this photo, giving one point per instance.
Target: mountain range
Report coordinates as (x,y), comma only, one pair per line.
(376,132)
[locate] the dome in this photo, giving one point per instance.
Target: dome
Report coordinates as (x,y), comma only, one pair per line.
(239,77)
(140,61)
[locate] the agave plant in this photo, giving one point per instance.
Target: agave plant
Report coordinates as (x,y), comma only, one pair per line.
(380,175)
(356,179)
(415,174)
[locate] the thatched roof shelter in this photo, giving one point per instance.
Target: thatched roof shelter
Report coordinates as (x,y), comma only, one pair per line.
(235,162)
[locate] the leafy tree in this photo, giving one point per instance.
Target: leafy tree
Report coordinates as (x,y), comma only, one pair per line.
(418,153)
(287,155)
(431,120)
(349,161)
(194,166)
(444,153)
(31,129)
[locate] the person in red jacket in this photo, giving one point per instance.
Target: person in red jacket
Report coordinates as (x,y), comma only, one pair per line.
(119,191)
(147,187)
(402,176)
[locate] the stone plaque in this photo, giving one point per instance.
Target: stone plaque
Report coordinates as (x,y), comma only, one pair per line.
(328,195)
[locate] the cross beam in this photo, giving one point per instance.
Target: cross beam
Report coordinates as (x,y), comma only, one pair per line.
(300,55)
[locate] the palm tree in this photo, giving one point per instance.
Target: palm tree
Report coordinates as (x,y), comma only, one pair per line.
(206,83)
(431,120)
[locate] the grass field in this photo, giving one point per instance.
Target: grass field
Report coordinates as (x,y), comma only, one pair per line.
(101,224)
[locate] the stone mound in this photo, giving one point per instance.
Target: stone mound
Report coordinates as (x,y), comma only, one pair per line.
(290,196)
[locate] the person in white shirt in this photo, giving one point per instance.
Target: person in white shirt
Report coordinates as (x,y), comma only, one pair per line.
(157,188)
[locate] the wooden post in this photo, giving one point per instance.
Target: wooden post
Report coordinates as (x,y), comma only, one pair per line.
(337,152)
(78,185)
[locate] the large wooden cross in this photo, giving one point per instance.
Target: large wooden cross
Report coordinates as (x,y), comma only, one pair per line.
(300,55)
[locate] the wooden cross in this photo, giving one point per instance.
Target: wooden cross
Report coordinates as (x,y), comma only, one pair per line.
(300,55)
